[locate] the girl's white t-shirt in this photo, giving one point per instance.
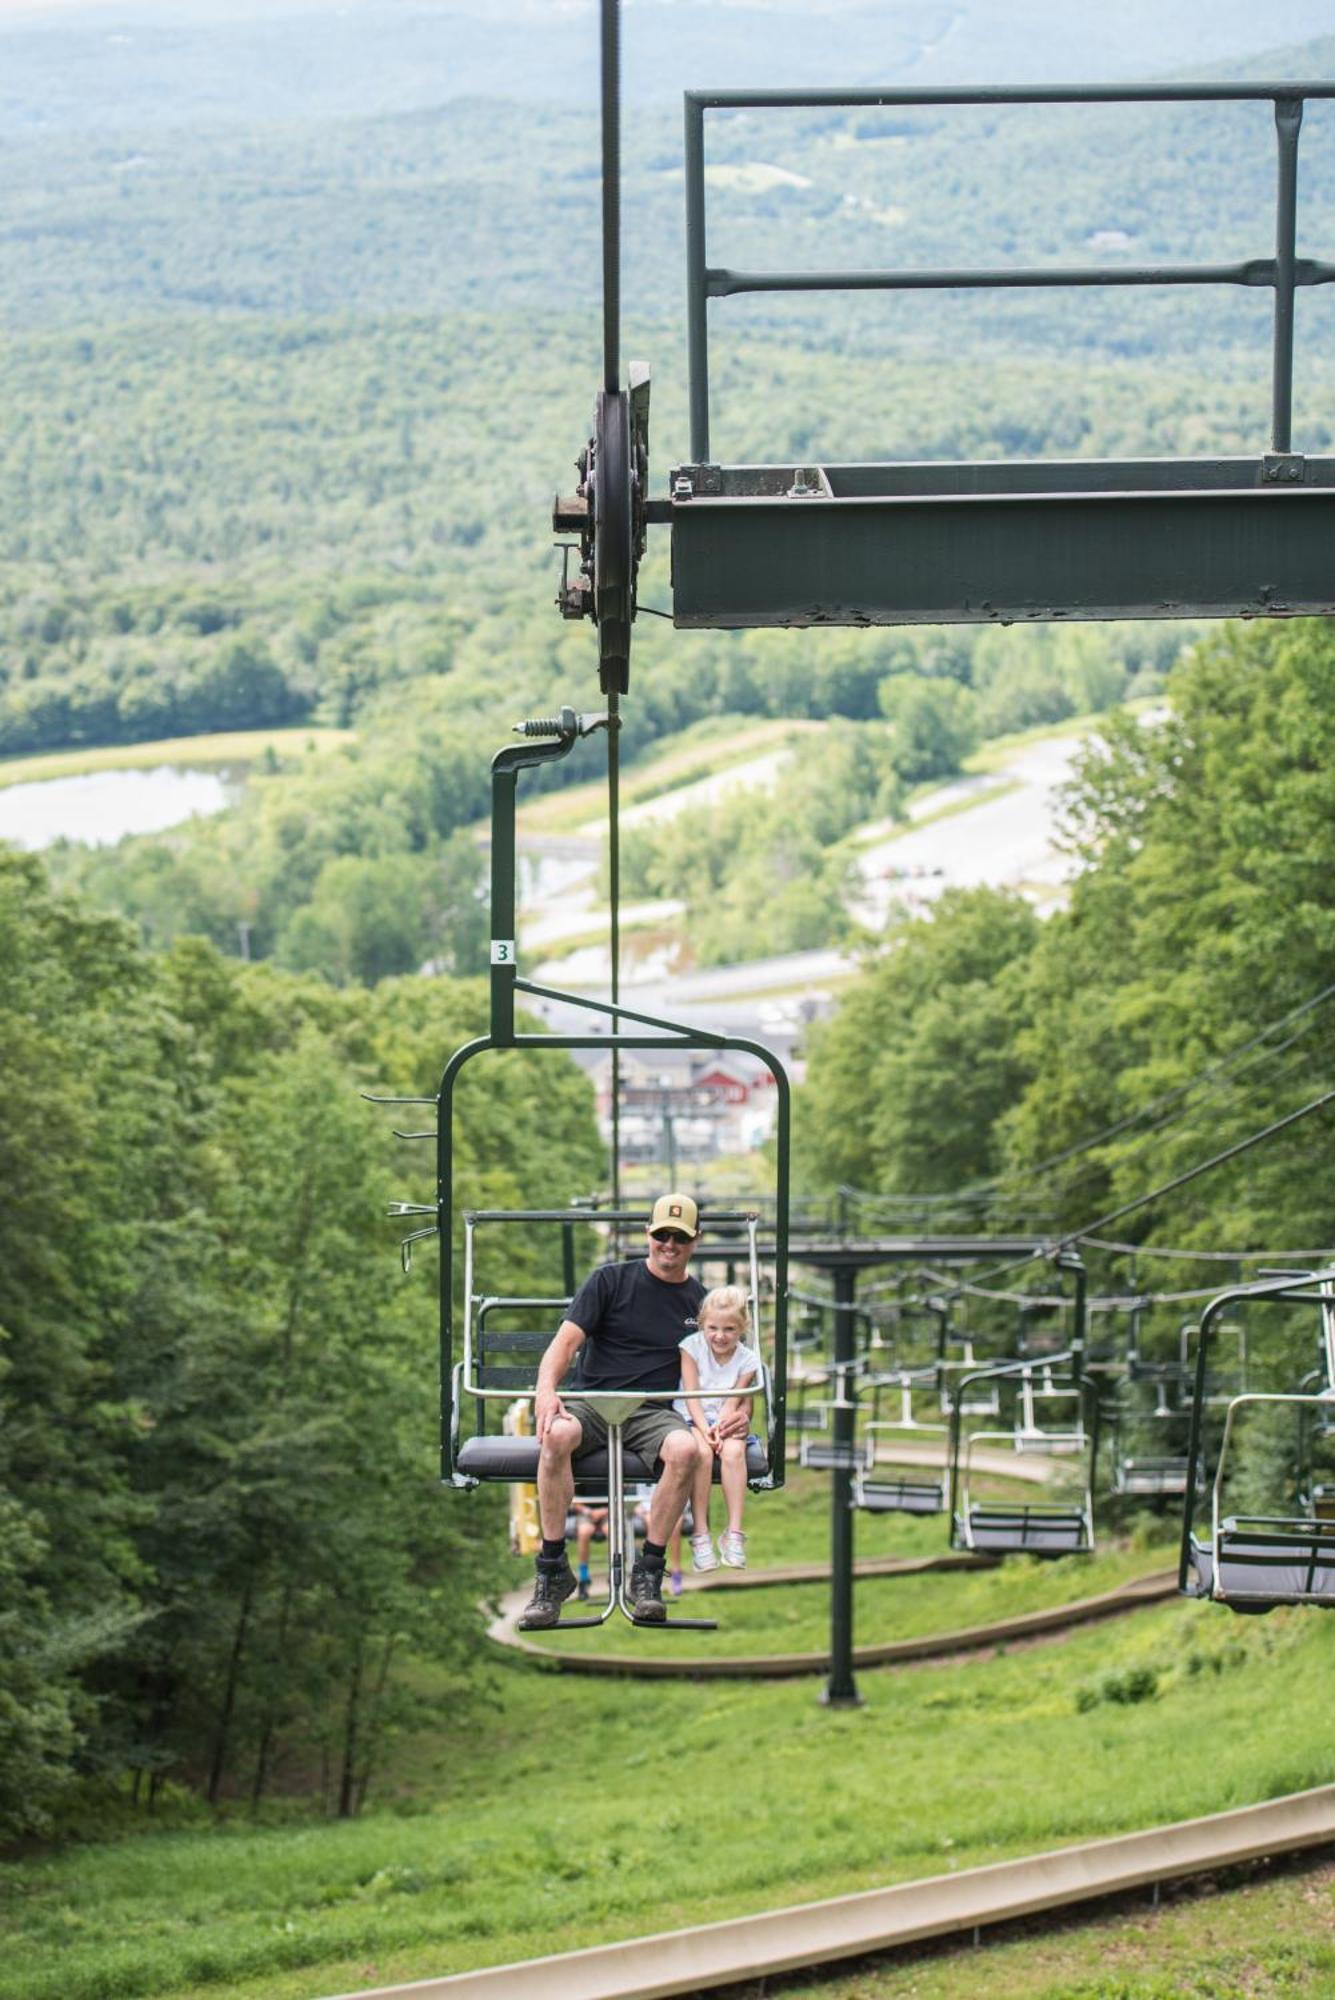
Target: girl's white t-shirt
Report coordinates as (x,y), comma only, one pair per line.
(716,1376)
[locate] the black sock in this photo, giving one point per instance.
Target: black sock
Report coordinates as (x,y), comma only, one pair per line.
(654,1552)
(552,1552)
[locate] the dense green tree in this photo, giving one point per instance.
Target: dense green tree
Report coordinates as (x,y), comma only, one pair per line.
(906,1081)
(935,725)
(217,1407)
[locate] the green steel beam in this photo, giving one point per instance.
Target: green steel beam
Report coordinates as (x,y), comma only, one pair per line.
(997,543)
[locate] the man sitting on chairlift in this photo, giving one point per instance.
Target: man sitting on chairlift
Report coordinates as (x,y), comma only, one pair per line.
(629,1320)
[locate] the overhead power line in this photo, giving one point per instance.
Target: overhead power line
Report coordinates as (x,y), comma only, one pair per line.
(1194,1173)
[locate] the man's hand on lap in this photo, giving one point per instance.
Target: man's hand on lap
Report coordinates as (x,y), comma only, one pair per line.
(547,1407)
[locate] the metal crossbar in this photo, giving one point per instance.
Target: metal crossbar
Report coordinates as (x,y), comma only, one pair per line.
(1282,272)
(1253,1543)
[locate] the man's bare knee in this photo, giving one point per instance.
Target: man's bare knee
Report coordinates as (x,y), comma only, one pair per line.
(562,1440)
(678,1452)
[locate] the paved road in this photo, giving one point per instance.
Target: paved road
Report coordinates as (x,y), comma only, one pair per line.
(1005,839)
(1003,842)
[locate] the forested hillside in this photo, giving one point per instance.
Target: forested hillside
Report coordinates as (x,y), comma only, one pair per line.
(992,1045)
(286,401)
(223,1528)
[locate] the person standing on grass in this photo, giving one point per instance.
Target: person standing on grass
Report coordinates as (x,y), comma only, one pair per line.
(590,1527)
(629,1321)
(716,1367)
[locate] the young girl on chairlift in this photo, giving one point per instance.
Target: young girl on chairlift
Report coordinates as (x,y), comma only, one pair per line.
(716,1366)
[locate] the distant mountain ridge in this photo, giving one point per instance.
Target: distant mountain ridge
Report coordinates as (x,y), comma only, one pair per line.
(146,65)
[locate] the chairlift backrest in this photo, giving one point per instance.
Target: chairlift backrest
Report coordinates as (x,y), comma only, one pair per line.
(1254,1561)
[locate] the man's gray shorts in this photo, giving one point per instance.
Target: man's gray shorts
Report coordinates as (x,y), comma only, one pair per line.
(643,1432)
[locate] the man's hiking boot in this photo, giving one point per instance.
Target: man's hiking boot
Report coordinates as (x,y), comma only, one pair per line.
(646,1593)
(551,1587)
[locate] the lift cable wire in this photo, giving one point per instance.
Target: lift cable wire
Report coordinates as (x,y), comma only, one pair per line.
(1090,1232)
(1294,1072)
(1270,1083)
(1193,1173)
(610,51)
(983,1191)
(1181,1090)
(1257,1100)
(1103,1302)
(1271,1080)
(614,916)
(611,128)
(1317,1257)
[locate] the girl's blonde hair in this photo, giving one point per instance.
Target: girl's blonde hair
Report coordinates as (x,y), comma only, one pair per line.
(727,1299)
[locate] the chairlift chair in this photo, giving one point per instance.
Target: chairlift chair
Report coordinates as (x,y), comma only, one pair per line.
(825,1455)
(1253,1561)
(833,1453)
(878,1493)
(1155,1474)
(1041,1385)
(467,1380)
(806,1370)
(502,1365)
(1036,1528)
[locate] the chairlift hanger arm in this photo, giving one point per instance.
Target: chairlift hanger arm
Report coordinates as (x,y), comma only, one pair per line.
(804,545)
(1282,1289)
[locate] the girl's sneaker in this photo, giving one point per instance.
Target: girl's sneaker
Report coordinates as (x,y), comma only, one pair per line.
(674,1582)
(732,1548)
(702,1553)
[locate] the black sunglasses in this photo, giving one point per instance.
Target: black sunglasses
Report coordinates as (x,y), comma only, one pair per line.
(670,1236)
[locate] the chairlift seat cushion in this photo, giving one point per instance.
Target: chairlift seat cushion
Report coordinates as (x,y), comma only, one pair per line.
(900,1496)
(1152,1476)
(1026,1531)
(516,1459)
(831,1457)
(1290,1564)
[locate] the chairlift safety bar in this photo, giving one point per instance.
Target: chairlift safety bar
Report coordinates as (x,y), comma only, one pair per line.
(1288,1289)
(1282,272)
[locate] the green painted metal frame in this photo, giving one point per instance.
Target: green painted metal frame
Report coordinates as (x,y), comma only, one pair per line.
(1291,1288)
(562,733)
(987,542)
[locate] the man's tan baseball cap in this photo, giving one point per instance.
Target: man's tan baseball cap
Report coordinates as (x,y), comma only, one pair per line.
(676,1211)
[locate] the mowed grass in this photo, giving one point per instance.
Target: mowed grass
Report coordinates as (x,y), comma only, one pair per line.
(709,746)
(1215,1938)
(792,1526)
(795,1618)
(558,1812)
(237,746)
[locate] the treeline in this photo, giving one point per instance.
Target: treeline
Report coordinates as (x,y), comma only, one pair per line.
(222,1529)
(360,863)
(988,1050)
(352,862)
(455,206)
(231,523)
(769,871)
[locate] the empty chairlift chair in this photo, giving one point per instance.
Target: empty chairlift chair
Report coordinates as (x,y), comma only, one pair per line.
(1058,1527)
(1145,1466)
(806,1369)
(1253,1561)
(882,1492)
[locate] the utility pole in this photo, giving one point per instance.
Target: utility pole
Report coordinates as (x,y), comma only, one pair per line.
(669,1130)
(841,1688)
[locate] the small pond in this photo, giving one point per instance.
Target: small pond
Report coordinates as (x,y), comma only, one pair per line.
(102,806)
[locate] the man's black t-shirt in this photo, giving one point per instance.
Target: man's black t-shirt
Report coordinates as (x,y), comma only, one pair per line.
(635,1324)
